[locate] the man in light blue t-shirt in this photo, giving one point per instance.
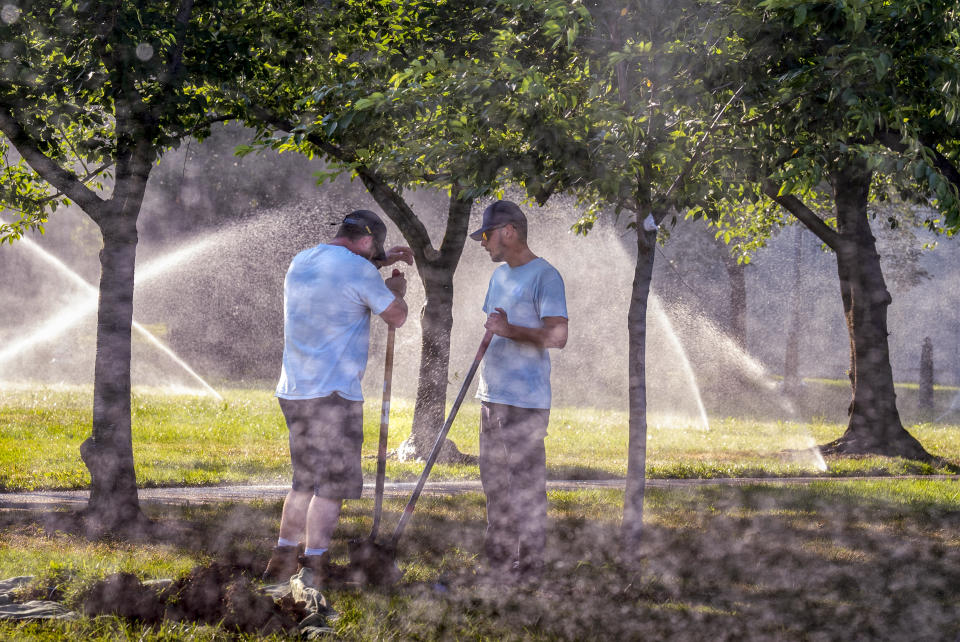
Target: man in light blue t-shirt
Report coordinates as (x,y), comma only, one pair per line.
(527,313)
(329,294)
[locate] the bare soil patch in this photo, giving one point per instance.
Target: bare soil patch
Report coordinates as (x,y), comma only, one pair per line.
(210,594)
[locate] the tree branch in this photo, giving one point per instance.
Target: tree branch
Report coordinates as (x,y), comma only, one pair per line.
(803,214)
(399,212)
(388,198)
(49,170)
(206,122)
(176,56)
(946,167)
(663,208)
(458,224)
(58,193)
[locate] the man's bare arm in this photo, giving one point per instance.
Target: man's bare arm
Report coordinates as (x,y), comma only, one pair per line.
(396,313)
(553,334)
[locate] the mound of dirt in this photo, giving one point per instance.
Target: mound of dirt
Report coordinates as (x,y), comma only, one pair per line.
(124,595)
(208,594)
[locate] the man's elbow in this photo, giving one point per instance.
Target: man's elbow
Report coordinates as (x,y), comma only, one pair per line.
(557,339)
(396,313)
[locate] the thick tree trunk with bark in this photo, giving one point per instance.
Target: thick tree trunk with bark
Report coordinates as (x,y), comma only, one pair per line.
(436,269)
(874,425)
(631,530)
(436,326)
(436,323)
(108,453)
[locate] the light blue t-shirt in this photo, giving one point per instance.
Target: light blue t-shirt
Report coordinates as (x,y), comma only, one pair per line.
(328,295)
(514,373)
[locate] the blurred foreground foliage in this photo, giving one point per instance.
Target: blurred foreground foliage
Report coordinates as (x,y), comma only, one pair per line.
(826,560)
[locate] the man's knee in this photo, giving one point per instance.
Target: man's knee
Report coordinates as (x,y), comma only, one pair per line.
(300,495)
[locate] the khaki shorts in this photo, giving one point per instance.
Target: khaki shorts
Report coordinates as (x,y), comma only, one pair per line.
(326,434)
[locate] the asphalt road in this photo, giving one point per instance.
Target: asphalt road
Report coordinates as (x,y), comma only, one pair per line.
(275,492)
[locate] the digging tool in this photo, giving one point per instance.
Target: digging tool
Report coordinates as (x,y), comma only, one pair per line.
(361,548)
(376,562)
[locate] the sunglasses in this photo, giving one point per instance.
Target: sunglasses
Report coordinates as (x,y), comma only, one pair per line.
(486,235)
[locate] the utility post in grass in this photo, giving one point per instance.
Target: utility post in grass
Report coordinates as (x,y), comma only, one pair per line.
(925,392)
(92,95)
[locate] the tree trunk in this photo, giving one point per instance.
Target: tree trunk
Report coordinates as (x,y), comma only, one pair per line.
(436,323)
(631,530)
(436,270)
(108,453)
(874,425)
(436,328)
(737,323)
(791,358)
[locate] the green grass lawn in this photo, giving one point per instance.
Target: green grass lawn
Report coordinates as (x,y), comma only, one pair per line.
(829,560)
(188,440)
(825,560)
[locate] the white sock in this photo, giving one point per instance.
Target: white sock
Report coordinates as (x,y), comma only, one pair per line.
(285,542)
(314,551)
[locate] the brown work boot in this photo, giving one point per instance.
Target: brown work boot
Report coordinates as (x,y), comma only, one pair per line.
(282,565)
(318,567)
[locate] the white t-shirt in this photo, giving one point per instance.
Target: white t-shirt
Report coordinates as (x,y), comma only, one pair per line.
(514,373)
(328,295)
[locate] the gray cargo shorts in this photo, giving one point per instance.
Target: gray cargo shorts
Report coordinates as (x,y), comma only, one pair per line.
(326,434)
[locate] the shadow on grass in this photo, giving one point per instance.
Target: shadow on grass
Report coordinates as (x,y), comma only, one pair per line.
(578,472)
(877,560)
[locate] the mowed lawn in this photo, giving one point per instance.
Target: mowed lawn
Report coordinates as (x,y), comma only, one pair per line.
(829,559)
(192,440)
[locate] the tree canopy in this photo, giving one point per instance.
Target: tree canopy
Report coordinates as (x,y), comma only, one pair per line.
(844,103)
(92,94)
(412,94)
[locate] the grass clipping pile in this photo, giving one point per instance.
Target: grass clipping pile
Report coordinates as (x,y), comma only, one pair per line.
(214,594)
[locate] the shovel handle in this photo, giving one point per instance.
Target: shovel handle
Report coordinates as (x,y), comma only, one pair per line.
(438,444)
(384,426)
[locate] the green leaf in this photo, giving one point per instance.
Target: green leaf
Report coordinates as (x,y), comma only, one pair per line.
(799,15)
(881,65)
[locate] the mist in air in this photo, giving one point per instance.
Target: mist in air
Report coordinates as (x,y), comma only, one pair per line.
(217,233)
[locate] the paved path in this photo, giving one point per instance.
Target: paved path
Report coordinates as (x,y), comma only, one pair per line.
(274,492)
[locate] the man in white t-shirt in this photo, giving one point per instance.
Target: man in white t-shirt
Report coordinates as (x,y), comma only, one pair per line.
(329,294)
(527,313)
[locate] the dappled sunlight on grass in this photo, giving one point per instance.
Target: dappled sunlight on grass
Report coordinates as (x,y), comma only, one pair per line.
(830,551)
(63,565)
(196,440)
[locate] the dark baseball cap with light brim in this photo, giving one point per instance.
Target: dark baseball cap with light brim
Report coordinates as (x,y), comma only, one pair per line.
(368,222)
(498,214)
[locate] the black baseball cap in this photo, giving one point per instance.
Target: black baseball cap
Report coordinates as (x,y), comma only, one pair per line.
(498,214)
(368,222)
